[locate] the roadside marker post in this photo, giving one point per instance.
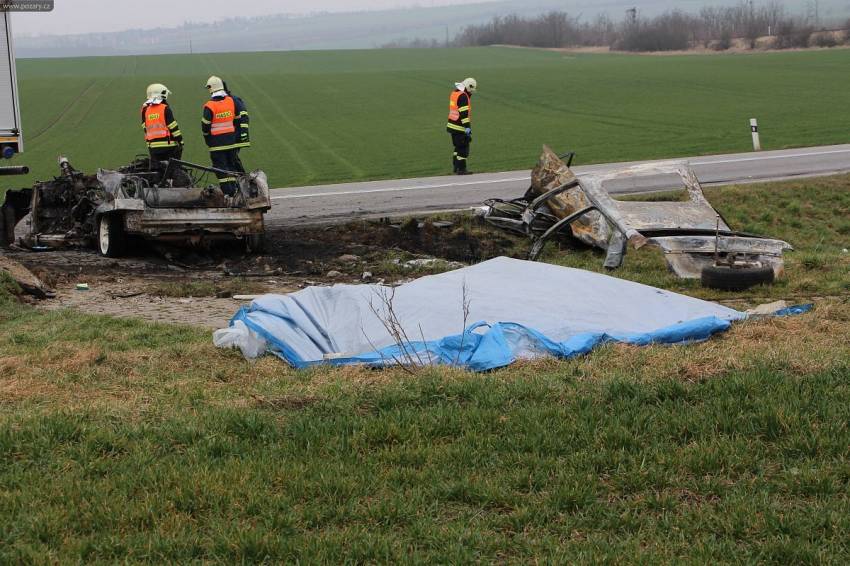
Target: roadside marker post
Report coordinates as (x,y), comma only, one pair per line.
(754,128)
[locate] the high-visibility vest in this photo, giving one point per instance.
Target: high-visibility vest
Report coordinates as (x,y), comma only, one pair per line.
(156,128)
(454,109)
(224,114)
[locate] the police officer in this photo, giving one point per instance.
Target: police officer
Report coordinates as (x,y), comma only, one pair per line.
(460,123)
(221,128)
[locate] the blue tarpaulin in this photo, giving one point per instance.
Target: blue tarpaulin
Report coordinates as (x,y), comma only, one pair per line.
(515,310)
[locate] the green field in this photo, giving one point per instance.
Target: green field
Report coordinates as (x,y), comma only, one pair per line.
(343,116)
(123,441)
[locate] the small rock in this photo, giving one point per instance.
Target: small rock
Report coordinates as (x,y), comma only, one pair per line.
(333,274)
(420,262)
(367,275)
(396,261)
(349,258)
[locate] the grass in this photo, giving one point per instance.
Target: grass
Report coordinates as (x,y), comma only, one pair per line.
(135,442)
(127,441)
(344,116)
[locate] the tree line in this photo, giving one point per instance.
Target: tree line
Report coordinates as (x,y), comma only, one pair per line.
(746,25)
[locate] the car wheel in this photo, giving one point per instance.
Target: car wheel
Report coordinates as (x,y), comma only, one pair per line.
(110,235)
(727,278)
(255,243)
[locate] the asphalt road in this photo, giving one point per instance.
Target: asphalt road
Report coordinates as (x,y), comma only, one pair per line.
(374,199)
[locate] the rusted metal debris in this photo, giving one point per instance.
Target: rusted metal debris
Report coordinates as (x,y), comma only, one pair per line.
(160,202)
(691,234)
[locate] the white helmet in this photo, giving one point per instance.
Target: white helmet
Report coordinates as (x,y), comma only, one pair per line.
(215,84)
(157,90)
(470,85)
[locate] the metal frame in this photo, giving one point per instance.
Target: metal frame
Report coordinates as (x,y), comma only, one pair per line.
(686,232)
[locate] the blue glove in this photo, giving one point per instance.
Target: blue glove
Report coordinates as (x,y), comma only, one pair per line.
(469,132)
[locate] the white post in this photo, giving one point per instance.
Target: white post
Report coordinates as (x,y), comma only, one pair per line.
(754,128)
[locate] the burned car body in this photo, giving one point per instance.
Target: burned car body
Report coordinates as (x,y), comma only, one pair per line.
(691,234)
(159,202)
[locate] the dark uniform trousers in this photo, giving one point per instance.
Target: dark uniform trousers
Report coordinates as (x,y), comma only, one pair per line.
(461,142)
(160,154)
(227,160)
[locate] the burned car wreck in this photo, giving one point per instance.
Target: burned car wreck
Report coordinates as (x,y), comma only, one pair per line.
(159,201)
(693,236)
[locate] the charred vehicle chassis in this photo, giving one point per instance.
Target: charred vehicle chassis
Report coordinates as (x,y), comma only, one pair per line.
(159,201)
(692,235)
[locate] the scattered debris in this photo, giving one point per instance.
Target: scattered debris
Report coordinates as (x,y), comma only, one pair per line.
(768,310)
(334,274)
(82,287)
(432,262)
(691,234)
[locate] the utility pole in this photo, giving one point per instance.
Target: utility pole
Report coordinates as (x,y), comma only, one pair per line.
(447,36)
(191,51)
(814,12)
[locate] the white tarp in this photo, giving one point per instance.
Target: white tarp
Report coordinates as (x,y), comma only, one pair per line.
(517,309)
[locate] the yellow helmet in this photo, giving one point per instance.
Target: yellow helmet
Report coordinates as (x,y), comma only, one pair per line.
(470,84)
(157,90)
(215,84)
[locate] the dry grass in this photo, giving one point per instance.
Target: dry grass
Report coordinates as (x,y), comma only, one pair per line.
(71,375)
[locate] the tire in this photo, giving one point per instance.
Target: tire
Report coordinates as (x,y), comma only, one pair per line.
(4,236)
(111,238)
(7,225)
(736,279)
(255,243)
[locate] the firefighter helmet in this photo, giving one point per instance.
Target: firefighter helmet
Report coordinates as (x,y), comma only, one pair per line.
(470,84)
(157,90)
(215,84)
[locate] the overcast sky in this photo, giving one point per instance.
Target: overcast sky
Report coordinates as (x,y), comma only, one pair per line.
(84,16)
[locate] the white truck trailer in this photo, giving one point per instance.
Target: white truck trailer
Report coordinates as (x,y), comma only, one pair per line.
(11,138)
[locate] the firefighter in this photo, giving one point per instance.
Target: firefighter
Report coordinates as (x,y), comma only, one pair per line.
(162,133)
(460,123)
(221,127)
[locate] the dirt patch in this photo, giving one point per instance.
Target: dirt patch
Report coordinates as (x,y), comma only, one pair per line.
(186,286)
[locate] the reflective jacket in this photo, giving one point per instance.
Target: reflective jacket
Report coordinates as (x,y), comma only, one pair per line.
(161,129)
(460,108)
(219,124)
